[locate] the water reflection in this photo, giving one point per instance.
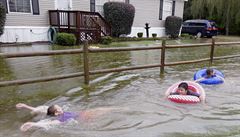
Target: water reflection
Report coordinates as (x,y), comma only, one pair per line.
(141,92)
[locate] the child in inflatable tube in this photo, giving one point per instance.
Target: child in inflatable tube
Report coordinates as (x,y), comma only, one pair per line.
(209,74)
(186,92)
(183,90)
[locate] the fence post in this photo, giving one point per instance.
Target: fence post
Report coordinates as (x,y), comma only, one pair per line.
(163,56)
(86,62)
(212,52)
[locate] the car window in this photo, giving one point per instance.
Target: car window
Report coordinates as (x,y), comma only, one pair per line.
(185,23)
(197,24)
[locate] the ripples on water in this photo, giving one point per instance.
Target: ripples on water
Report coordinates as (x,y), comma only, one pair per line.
(139,96)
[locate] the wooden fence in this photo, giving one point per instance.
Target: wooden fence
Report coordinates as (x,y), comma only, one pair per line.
(87,72)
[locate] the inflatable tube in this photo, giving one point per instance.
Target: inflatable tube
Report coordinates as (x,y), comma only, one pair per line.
(209,81)
(52,34)
(187,99)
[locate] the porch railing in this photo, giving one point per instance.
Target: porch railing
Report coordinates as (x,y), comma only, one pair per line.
(85,25)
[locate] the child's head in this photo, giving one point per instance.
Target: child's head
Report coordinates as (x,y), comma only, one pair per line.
(54,110)
(182,88)
(209,72)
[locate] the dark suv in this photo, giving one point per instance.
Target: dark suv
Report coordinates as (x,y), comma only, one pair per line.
(200,28)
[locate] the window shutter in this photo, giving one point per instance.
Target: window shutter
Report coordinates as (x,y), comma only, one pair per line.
(92,5)
(161,10)
(35,7)
(4,3)
(173,7)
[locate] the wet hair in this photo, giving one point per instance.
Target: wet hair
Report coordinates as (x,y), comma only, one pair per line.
(209,71)
(183,85)
(51,110)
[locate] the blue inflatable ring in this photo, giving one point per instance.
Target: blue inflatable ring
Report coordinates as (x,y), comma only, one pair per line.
(209,81)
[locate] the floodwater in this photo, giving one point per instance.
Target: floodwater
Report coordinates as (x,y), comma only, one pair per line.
(137,96)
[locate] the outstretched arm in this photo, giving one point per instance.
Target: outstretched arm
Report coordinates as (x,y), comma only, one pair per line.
(34,110)
(25,106)
(28,125)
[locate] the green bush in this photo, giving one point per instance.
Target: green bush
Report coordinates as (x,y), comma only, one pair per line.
(154,35)
(140,34)
(66,39)
(120,16)
(2,18)
(106,40)
(185,35)
(134,39)
(173,25)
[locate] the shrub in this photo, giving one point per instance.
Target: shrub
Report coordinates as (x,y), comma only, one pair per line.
(106,40)
(2,18)
(173,25)
(120,16)
(134,39)
(140,34)
(66,39)
(154,35)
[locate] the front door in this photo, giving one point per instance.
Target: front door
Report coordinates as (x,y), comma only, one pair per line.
(64,4)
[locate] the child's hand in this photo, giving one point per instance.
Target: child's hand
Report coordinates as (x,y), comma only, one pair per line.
(20,105)
(26,126)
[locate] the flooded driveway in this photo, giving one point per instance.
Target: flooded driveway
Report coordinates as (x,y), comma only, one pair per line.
(139,95)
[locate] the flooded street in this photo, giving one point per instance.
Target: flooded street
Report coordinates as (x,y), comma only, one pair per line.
(137,96)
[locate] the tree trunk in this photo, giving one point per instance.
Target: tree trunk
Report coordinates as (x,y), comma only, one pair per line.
(227,18)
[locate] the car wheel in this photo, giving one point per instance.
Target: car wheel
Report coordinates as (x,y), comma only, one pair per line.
(199,35)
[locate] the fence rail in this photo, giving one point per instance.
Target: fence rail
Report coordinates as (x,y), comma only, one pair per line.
(87,72)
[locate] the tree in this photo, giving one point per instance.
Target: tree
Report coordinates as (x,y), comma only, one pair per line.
(225,12)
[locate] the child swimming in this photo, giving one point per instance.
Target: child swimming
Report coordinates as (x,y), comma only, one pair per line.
(60,115)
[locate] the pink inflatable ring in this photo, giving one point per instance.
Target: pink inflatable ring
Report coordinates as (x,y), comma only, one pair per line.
(187,99)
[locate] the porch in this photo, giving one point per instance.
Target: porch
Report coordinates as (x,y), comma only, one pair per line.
(84,25)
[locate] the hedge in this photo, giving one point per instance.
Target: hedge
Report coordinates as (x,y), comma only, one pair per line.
(66,39)
(173,25)
(120,16)
(106,40)
(2,18)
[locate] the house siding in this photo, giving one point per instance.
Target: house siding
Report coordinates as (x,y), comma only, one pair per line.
(18,19)
(21,27)
(83,5)
(179,7)
(146,11)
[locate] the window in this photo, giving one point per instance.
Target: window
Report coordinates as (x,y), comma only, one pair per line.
(166,9)
(173,7)
(161,10)
(92,5)
(198,24)
(19,6)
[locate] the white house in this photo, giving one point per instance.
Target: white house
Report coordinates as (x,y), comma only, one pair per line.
(28,20)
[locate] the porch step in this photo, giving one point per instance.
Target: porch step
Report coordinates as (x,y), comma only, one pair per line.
(85,25)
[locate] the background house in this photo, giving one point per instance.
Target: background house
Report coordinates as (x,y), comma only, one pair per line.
(28,20)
